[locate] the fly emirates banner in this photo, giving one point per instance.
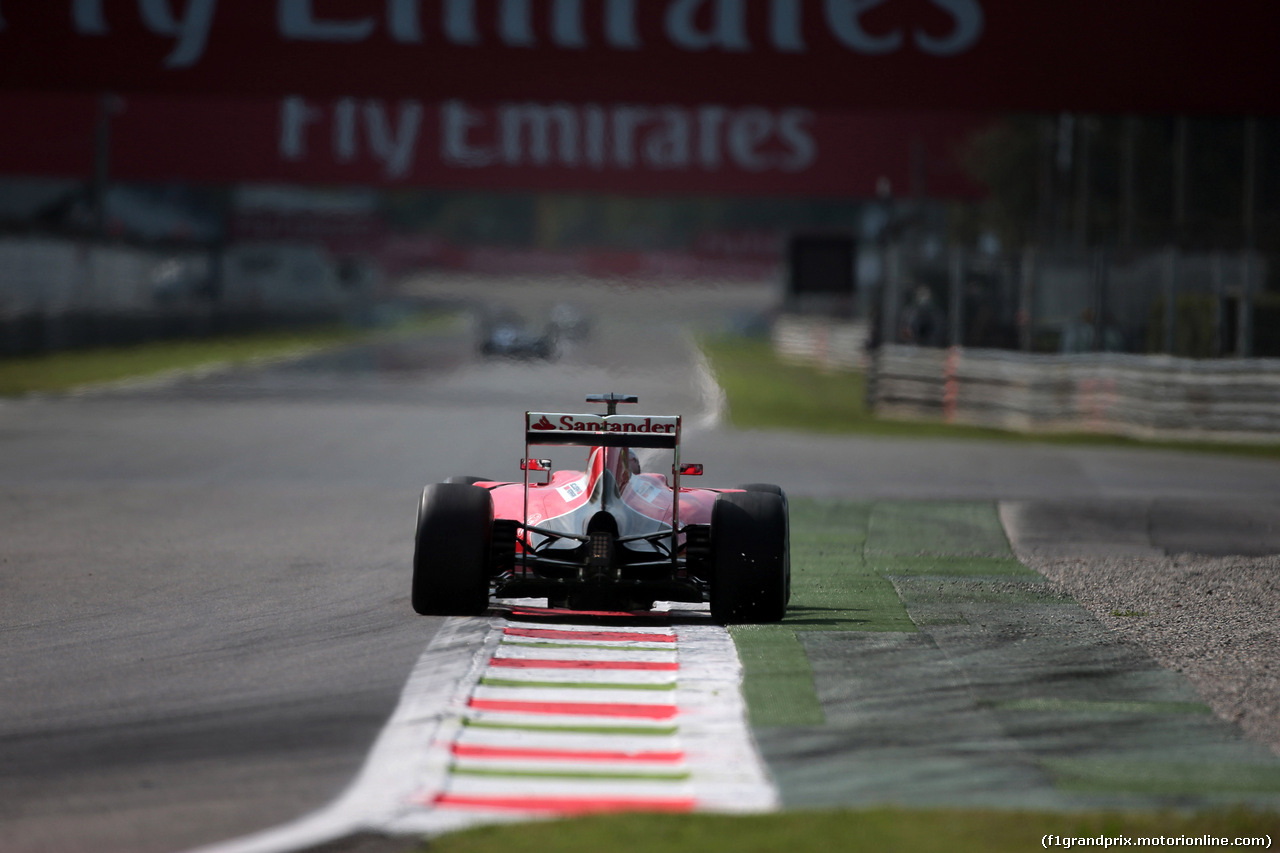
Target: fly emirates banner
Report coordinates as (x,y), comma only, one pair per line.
(1148,56)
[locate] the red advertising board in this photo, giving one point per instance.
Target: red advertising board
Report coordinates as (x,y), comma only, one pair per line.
(630,148)
(985,55)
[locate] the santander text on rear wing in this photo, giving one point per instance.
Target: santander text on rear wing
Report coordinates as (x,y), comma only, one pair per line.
(603,430)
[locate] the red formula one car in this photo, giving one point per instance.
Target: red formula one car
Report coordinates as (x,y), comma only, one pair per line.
(609,537)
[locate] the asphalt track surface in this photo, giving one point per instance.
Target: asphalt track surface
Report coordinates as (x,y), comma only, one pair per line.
(204,615)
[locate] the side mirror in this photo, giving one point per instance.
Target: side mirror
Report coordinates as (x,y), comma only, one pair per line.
(689,469)
(541,466)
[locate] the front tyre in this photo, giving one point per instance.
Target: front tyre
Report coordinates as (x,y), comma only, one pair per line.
(751,565)
(451,550)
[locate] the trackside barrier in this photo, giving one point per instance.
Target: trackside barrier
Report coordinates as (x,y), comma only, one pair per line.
(821,342)
(1135,395)
(58,293)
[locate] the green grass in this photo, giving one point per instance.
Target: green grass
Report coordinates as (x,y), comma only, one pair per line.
(832,588)
(71,369)
(884,829)
(1122,776)
(1103,706)
(765,393)
(942,528)
(777,679)
(933,564)
(842,556)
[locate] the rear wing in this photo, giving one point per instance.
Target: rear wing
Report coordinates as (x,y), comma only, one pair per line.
(559,428)
(603,430)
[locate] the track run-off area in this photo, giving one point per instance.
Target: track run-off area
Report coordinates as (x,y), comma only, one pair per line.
(943,674)
(208,643)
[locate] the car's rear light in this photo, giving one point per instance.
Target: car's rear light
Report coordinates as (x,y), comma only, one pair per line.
(601,549)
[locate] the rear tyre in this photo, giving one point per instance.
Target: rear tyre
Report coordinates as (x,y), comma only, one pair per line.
(751,566)
(451,550)
(770,488)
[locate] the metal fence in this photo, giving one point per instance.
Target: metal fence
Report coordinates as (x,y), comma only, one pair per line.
(1196,305)
(1140,396)
(1089,341)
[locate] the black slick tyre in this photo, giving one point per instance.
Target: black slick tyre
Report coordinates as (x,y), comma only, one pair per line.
(451,550)
(764,487)
(773,489)
(751,566)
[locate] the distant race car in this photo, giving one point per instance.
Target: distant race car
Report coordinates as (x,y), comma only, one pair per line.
(609,537)
(509,335)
